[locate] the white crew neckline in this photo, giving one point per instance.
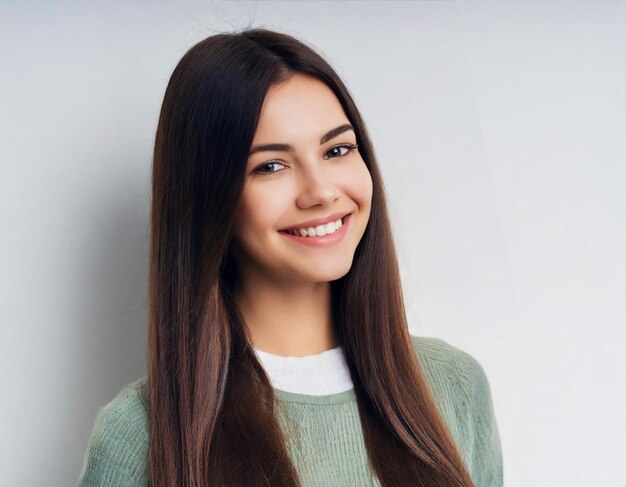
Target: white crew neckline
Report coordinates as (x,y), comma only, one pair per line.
(318,374)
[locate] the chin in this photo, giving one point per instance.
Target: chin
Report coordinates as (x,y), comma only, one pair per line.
(330,274)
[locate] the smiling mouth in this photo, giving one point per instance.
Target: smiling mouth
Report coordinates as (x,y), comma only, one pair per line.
(318,230)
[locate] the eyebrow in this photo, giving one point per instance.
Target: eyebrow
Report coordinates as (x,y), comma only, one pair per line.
(289,148)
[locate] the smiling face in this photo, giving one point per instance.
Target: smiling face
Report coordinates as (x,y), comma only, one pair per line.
(286,187)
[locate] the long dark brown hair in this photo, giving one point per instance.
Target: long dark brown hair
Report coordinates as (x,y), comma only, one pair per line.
(212,411)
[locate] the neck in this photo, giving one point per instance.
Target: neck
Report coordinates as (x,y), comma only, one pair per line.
(288,319)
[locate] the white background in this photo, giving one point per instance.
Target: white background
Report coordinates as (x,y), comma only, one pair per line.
(500,129)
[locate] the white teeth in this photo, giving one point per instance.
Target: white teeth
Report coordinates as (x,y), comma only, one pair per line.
(318,231)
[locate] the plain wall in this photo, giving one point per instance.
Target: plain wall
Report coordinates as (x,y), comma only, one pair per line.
(500,129)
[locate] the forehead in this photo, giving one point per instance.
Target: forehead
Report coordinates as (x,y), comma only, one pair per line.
(301,107)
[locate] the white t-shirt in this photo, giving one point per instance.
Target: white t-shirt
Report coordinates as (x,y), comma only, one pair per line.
(317,375)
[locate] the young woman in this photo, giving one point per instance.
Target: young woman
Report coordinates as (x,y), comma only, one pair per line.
(279,351)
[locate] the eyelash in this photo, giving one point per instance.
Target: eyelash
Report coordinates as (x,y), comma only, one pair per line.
(349,146)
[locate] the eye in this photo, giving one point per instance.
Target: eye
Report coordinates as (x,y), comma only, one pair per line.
(266,164)
(347,146)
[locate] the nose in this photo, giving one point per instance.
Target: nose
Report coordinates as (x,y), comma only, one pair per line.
(316,188)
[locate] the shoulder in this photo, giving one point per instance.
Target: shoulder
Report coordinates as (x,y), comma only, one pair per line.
(126,412)
(457,379)
(117,451)
(437,355)
(461,389)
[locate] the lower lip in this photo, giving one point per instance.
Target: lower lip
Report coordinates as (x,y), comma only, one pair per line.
(331,239)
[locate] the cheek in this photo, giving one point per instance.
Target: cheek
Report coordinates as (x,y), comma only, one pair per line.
(359,184)
(261,209)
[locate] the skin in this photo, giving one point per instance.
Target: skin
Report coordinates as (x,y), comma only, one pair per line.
(284,291)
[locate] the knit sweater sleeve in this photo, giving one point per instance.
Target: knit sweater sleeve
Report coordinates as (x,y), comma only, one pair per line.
(116,455)
(463,394)
(486,458)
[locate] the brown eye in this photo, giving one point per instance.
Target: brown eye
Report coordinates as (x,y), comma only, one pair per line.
(265,165)
(348,147)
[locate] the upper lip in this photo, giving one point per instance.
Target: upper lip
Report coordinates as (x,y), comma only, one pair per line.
(318,221)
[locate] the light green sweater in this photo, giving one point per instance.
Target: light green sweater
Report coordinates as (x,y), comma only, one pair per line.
(332,451)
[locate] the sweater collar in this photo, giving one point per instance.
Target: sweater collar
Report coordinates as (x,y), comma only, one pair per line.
(317,375)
